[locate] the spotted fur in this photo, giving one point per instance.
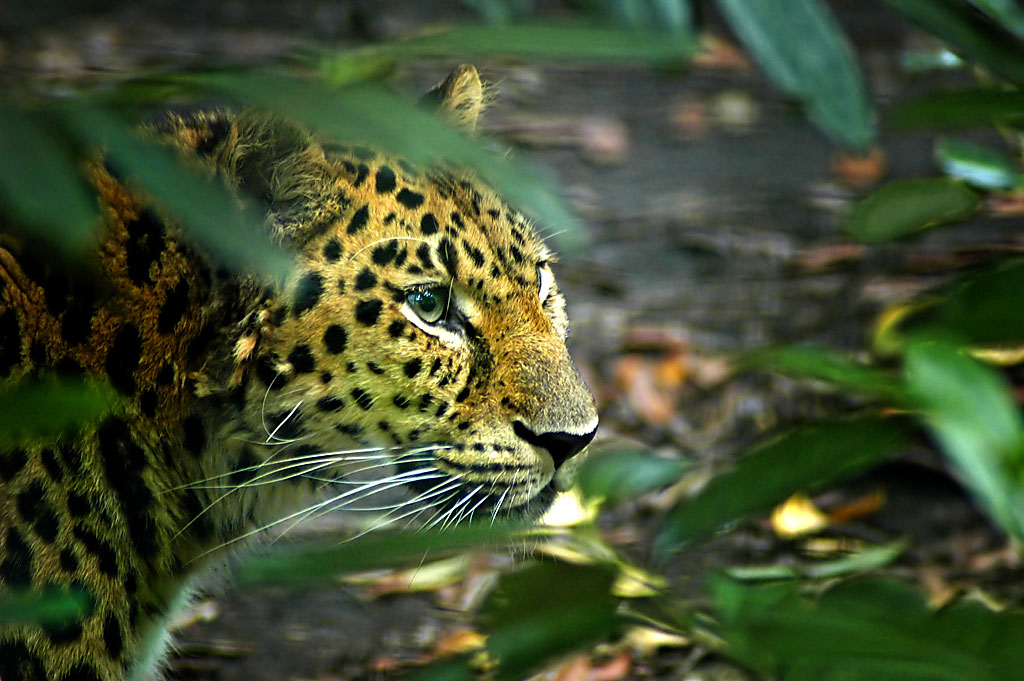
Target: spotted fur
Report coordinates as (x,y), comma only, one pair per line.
(241,404)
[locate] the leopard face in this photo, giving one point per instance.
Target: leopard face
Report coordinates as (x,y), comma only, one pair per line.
(427,322)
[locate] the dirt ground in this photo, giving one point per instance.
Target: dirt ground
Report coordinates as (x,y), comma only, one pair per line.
(713,212)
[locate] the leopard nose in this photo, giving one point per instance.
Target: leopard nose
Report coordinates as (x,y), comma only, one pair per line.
(561,446)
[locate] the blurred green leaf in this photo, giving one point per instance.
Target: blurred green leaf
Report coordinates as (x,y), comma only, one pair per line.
(908,206)
(977,164)
(501,11)
(317,561)
(52,607)
(967,108)
(802,48)
(1008,13)
(981,308)
(971,412)
(548,42)
(224,224)
(864,629)
(41,186)
(51,405)
(668,16)
(546,610)
(829,366)
(806,459)
(624,474)
(375,117)
(968,33)
(870,558)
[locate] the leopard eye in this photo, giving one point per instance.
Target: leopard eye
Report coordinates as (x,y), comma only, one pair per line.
(428,304)
(544,280)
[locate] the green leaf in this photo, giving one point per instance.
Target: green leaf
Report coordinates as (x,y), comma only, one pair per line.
(968,33)
(967,108)
(829,366)
(802,48)
(375,117)
(625,474)
(52,607)
(41,187)
(318,561)
(225,225)
(981,308)
(977,164)
(1008,13)
(908,206)
(971,412)
(864,629)
(49,406)
(549,42)
(546,610)
(806,459)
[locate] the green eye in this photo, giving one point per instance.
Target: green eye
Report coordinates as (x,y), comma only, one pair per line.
(427,303)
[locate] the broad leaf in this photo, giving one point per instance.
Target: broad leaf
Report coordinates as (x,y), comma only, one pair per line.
(806,459)
(908,206)
(802,48)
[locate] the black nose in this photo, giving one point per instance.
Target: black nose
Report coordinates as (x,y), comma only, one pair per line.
(561,446)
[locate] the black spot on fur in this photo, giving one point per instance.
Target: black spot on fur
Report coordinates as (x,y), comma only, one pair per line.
(365,280)
(51,465)
(106,558)
(396,328)
(35,510)
(65,632)
(385,180)
(368,311)
(123,462)
(362,398)
(123,359)
(474,253)
(144,246)
(349,429)
(37,354)
(400,401)
(10,342)
(423,253)
(412,367)
(332,250)
(435,367)
(266,372)
(75,325)
(330,404)
(428,224)
(449,257)
(68,561)
(410,199)
(335,339)
(301,359)
(308,293)
(193,435)
(16,662)
(81,672)
(463,394)
(385,253)
(11,462)
(79,505)
(16,568)
(148,402)
(174,308)
(112,638)
(359,220)
(246,468)
(372,366)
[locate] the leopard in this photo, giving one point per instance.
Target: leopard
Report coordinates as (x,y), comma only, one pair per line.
(416,348)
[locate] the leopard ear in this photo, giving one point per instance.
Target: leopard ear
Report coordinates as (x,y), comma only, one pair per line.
(460,97)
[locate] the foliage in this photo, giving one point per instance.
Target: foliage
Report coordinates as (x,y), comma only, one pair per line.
(855,630)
